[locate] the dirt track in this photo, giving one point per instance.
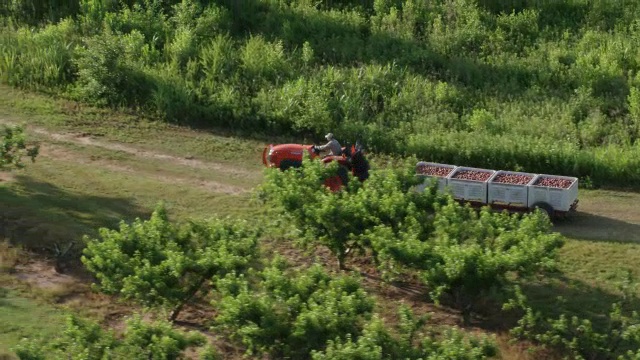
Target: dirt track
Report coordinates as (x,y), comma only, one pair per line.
(61,152)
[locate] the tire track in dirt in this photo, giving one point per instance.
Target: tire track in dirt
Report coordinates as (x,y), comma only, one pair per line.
(59,152)
(87,140)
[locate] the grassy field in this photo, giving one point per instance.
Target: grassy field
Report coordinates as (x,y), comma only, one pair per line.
(98,167)
(22,317)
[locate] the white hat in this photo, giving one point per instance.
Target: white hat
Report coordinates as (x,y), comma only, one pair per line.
(329,136)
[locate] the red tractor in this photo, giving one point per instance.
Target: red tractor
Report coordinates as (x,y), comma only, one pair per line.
(285,156)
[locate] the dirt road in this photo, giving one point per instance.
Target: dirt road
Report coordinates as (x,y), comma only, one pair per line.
(54,146)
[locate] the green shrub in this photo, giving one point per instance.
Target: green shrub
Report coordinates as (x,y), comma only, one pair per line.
(618,337)
(289,314)
(33,12)
(379,342)
(110,70)
(86,339)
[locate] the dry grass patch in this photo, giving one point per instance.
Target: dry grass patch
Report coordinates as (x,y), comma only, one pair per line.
(9,257)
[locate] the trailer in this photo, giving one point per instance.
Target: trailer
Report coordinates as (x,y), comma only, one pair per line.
(513,191)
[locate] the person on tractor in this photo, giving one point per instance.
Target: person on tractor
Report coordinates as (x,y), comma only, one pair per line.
(333,146)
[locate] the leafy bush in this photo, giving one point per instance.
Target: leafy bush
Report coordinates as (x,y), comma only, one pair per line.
(146,16)
(33,12)
(38,59)
(86,339)
(473,254)
(289,314)
(109,70)
(339,221)
(263,62)
(577,337)
(162,265)
(13,147)
(171,98)
(308,314)
(377,342)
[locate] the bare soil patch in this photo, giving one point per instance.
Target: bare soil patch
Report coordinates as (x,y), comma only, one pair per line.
(6,177)
(43,275)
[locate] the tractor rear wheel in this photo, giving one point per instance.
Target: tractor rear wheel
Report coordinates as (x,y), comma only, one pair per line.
(343,173)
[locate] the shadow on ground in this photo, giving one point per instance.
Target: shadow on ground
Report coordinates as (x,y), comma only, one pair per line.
(578,299)
(589,226)
(37,215)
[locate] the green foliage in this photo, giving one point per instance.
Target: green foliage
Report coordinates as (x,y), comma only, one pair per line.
(457,251)
(83,339)
(462,253)
(290,313)
(410,341)
(109,70)
(544,87)
(262,61)
(474,254)
(308,314)
(339,221)
(33,12)
(158,340)
(38,59)
(13,146)
(163,265)
(634,113)
(145,17)
(619,338)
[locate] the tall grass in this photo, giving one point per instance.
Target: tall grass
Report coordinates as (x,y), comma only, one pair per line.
(38,59)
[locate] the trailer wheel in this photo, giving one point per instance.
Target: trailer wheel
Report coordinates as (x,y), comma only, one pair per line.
(545,208)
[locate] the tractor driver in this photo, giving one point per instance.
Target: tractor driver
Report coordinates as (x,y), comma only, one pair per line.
(333,145)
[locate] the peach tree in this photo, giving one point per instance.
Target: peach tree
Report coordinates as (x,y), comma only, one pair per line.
(281,312)
(468,254)
(339,220)
(287,314)
(160,264)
